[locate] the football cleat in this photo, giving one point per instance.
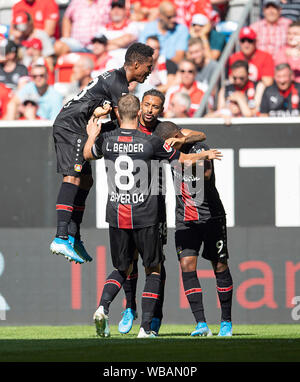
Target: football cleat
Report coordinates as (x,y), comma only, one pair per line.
(144,334)
(225,329)
(64,247)
(155,325)
(125,324)
(202,330)
(79,248)
(101,323)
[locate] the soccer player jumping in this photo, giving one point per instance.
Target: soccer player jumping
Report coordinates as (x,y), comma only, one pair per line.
(200,222)
(69,132)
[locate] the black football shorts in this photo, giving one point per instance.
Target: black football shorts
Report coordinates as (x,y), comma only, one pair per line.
(69,153)
(212,234)
(123,243)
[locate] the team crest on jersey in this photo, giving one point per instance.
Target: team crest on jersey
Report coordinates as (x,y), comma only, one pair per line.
(78,167)
(167,147)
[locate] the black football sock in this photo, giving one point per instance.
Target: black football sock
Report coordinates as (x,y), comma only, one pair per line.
(150,298)
(224,289)
(77,215)
(158,313)
(193,292)
(130,287)
(111,288)
(64,208)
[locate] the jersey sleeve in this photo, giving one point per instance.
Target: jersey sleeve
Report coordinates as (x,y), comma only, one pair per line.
(117,89)
(162,150)
(97,149)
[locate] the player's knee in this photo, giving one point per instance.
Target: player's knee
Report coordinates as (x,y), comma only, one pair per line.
(72,179)
(220,267)
(154,270)
(188,264)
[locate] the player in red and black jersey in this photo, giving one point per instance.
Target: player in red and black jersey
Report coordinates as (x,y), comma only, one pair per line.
(152,106)
(131,159)
(70,135)
(200,219)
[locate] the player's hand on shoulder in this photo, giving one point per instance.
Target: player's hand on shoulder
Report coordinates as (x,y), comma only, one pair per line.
(93,127)
(102,111)
(213,154)
(176,143)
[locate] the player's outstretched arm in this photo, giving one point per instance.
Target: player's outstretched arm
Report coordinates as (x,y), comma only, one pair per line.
(93,130)
(192,136)
(191,159)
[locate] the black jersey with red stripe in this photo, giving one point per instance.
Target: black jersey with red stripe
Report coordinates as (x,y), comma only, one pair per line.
(132,161)
(197,199)
(148,130)
(108,86)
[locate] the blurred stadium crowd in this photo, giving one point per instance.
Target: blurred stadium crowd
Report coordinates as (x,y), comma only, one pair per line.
(48,53)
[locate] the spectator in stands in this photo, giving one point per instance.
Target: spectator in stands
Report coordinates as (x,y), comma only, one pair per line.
(173,37)
(187,8)
(103,59)
(81,76)
(23,30)
(5,96)
(120,31)
(80,24)
(10,70)
(290,53)
(144,10)
(261,64)
(205,66)
(28,110)
(163,74)
(213,41)
(290,9)
(33,56)
(180,106)
(242,91)
(271,31)
(45,14)
(49,100)
(188,84)
(282,99)
(232,109)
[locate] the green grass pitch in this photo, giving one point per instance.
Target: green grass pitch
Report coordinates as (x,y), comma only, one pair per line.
(253,343)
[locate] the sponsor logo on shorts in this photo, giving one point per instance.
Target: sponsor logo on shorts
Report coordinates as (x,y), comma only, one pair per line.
(78,167)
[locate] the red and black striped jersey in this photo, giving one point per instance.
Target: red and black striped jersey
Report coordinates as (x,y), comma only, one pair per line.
(197,198)
(132,161)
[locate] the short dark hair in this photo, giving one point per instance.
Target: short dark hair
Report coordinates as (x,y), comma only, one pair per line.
(154,93)
(138,52)
(282,66)
(128,107)
(194,41)
(295,24)
(240,64)
(166,129)
(153,37)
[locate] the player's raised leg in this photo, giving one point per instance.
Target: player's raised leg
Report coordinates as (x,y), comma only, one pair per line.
(64,208)
(86,183)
